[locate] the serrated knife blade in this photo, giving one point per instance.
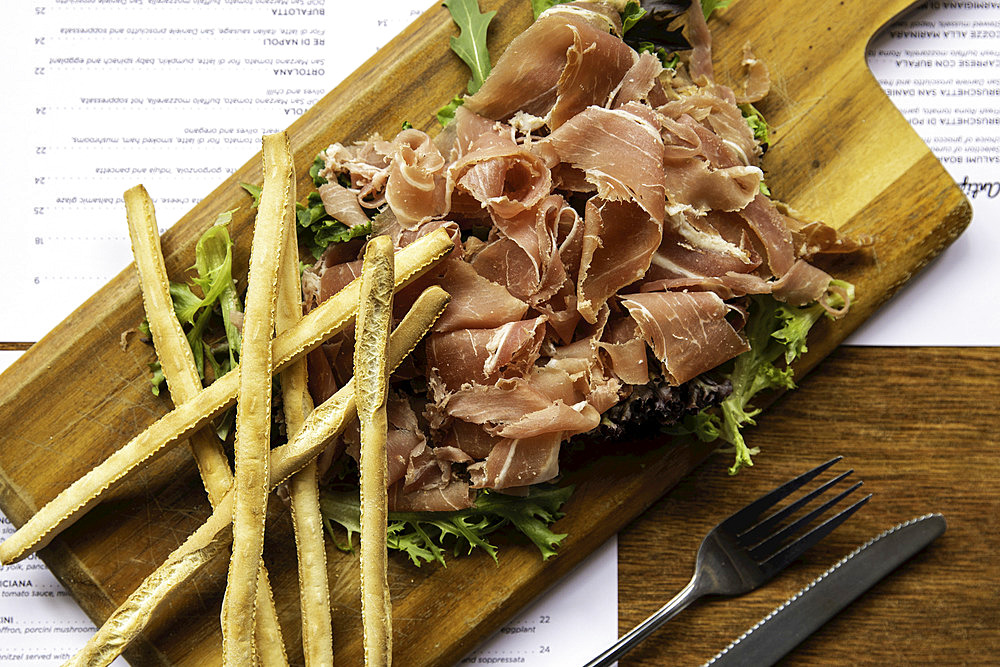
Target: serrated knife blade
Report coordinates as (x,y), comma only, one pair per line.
(788,625)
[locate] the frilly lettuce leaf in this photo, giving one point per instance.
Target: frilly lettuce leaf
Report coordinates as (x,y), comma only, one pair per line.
(776,332)
(426,536)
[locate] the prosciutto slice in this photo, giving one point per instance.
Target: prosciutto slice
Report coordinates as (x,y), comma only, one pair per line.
(560,65)
(518,462)
(415,187)
(455,495)
(483,356)
(525,256)
(621,154)
(342,204)
(475,301)
(688,332)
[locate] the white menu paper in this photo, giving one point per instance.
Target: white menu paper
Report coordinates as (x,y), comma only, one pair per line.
(940,65)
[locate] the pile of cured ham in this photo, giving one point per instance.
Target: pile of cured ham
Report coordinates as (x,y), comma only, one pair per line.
(608,222)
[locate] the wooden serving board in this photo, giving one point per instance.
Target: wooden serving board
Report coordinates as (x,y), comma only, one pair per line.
(841,152)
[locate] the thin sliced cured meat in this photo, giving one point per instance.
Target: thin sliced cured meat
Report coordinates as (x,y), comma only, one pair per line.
(518,462)
(620,151)
(456,495)
(365,164)
(768,224)
(525,256)
(475,301)
(617,246)
(687,331)
(342,204)
(757,78)
(557,417)
(415,188)
(546,64)
(639,82)
(801,284)
(483,356)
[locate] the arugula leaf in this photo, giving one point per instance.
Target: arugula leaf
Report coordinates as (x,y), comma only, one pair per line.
(470,45)
(709,6)
(446,114)
(425,536)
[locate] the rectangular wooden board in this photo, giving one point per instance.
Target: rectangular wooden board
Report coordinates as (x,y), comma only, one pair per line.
(840,152)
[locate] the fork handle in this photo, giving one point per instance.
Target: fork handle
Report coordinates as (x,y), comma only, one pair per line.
(636,635)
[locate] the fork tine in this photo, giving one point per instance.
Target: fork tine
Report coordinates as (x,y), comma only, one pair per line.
(768,547)
(747,516)
(781,559)
(763,529)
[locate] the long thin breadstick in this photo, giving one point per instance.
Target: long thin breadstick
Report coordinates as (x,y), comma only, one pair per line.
(172,347)
(371,384)
(181,373)
(323,425)
(253,407)
(314,591)
(322,322)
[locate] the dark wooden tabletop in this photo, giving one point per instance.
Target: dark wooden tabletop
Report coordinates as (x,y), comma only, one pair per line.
(921,428)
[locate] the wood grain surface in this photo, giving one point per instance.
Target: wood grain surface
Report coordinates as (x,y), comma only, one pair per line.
(921,428)
(841,152)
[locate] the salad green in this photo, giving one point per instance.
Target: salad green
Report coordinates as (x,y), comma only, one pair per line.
(426,536)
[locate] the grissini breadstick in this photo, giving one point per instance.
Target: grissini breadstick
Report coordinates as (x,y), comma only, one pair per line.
(322,322)
(172,348)
(253,406)
(181,373)
(310,547)
(371,341)
(324,424)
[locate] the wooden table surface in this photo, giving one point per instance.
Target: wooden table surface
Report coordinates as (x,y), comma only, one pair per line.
(920,427)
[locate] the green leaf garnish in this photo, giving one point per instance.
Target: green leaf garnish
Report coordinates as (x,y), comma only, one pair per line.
(255,191)
(446,114)
(470,45)
(631,15)
(709,6)
(426,536)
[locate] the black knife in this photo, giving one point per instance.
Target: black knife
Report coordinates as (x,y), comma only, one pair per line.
(785,627)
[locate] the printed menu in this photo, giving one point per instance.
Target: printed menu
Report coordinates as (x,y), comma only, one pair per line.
(940,65)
